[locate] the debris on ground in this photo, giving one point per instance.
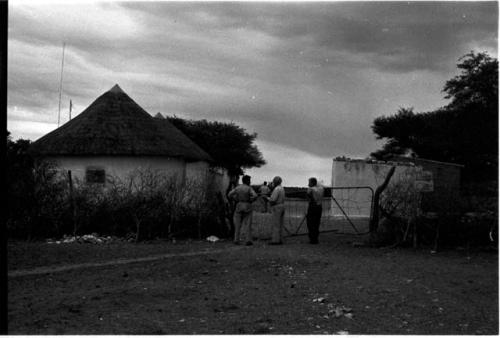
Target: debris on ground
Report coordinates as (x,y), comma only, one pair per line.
(92,238)
(213,239)
(339,311)
(342,332)
(319,300)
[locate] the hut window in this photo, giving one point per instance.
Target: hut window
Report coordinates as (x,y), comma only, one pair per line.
(95,175)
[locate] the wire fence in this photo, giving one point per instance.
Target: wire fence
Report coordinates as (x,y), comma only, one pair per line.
(348,210)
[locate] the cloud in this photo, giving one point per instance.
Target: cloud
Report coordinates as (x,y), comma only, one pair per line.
(88,24)
(394,36)
(29,129)
(305,76)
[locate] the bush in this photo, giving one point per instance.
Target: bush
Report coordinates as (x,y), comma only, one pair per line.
(450,223)
(40,208)
(147,203)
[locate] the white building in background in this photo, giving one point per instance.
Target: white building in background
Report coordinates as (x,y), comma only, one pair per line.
(439,182)
(360,178)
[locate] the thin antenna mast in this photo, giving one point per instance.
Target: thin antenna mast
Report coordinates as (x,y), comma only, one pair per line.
(60,86)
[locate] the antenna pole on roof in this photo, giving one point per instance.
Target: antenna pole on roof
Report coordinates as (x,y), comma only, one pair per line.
(70,108)
(60,87)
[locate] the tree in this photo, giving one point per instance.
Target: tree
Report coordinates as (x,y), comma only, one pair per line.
(230,146)
(465,131)
(19,184)
(476,85)
(37,201)
(19,162)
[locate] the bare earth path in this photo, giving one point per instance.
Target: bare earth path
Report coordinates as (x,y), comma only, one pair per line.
(60,268)
(203,288)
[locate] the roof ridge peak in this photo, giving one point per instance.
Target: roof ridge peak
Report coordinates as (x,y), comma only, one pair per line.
(116,89)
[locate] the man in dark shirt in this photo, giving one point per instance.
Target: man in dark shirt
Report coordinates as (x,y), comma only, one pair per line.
(264,192)
(315,194)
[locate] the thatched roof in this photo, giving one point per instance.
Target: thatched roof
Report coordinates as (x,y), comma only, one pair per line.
(115,125)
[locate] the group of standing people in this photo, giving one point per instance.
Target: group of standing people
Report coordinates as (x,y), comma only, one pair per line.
(243,195)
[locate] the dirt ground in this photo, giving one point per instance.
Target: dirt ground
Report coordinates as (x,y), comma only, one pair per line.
(289,289)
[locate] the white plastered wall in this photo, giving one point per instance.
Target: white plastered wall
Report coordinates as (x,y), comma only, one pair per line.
(197,171)
(120,166)
(358,173)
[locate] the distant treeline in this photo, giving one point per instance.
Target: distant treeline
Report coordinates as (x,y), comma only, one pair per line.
(297,192)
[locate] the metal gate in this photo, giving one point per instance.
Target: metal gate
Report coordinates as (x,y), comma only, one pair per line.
(348,210)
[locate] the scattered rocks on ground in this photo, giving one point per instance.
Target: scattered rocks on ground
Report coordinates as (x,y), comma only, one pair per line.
(319,300)
(339,311)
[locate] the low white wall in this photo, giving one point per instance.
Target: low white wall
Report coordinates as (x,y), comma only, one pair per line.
(358,173)
(219,179)
(362,173)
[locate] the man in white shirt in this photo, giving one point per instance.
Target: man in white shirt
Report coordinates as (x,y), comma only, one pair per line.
(315,194)
(277,202)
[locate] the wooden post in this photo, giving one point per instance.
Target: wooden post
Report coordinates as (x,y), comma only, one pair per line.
(72,201)
(415,244)
(416,218)
(436,239)
(376,197)
(405,236)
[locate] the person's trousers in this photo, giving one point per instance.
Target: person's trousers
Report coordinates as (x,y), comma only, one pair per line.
(313,221)
(264,203)
(242,223)
(278,223)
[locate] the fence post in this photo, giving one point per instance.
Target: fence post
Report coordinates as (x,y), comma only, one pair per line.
(72,202)
(375,212)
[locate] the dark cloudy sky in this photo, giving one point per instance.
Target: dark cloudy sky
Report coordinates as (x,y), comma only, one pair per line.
(308,78)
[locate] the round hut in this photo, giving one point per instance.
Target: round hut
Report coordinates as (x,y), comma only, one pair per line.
(115,137)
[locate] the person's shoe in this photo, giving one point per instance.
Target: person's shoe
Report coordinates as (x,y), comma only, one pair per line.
(314,242)
(236,242)
(276,243)
(248,243)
